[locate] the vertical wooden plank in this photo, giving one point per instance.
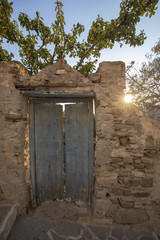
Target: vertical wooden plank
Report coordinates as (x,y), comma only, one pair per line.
(49,151)
(32,154)
(77,151)
(90,147)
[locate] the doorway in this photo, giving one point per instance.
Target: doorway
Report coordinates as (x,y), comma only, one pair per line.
(61,149)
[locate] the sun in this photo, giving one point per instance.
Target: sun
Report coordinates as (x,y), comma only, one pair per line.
(128,98)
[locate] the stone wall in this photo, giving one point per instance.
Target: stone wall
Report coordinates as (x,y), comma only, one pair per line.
(127,155)
(127,164)
(13,107)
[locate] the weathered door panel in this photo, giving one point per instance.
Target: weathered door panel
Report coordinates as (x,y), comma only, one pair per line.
(48,151)
(77,160)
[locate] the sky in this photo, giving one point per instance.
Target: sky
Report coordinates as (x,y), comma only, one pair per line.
(84,12)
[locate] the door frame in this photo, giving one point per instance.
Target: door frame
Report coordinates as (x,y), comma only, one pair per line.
(55,100)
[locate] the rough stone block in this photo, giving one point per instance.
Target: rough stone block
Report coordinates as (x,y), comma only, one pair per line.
(134,146)
(129,198)
(150,153)
(139,165)
(149,171)
(126,192)
(126,204)
(124,140)
(104,221)
(106,128)
(83,212)
(125,174)
(147,182)
(149,165)
(100,194)
(132,140)
(121,127)
(116,161)
(137,173)
(60,71)
(113,70)
(130,216)
(112,210)
(149,142)
(137,154)
(113,167)
(120,153)
(137,161)
(140,205)
(156,208)
(116,191)
(141,194)
(95,77)
(147,160)
(128,160)
(108,181)
(24,78)
(100,207)
(106,150)
(131,181)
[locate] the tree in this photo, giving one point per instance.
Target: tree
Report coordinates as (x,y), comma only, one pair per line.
(35,41)
(144,84)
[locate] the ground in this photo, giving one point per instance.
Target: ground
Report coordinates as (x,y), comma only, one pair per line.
(58,221)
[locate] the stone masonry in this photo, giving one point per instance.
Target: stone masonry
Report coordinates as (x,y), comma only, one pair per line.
(13,108)
(127,157)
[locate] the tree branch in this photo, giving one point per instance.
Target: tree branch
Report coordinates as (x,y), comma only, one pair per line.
(84,56)
(143,87)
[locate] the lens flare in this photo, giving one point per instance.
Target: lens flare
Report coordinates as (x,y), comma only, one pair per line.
(128,98)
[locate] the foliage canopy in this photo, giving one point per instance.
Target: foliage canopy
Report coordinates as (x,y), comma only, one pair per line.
(40,45)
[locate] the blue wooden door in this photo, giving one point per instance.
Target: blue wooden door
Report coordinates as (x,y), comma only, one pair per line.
(51,169)
(79,150)
(47,164)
